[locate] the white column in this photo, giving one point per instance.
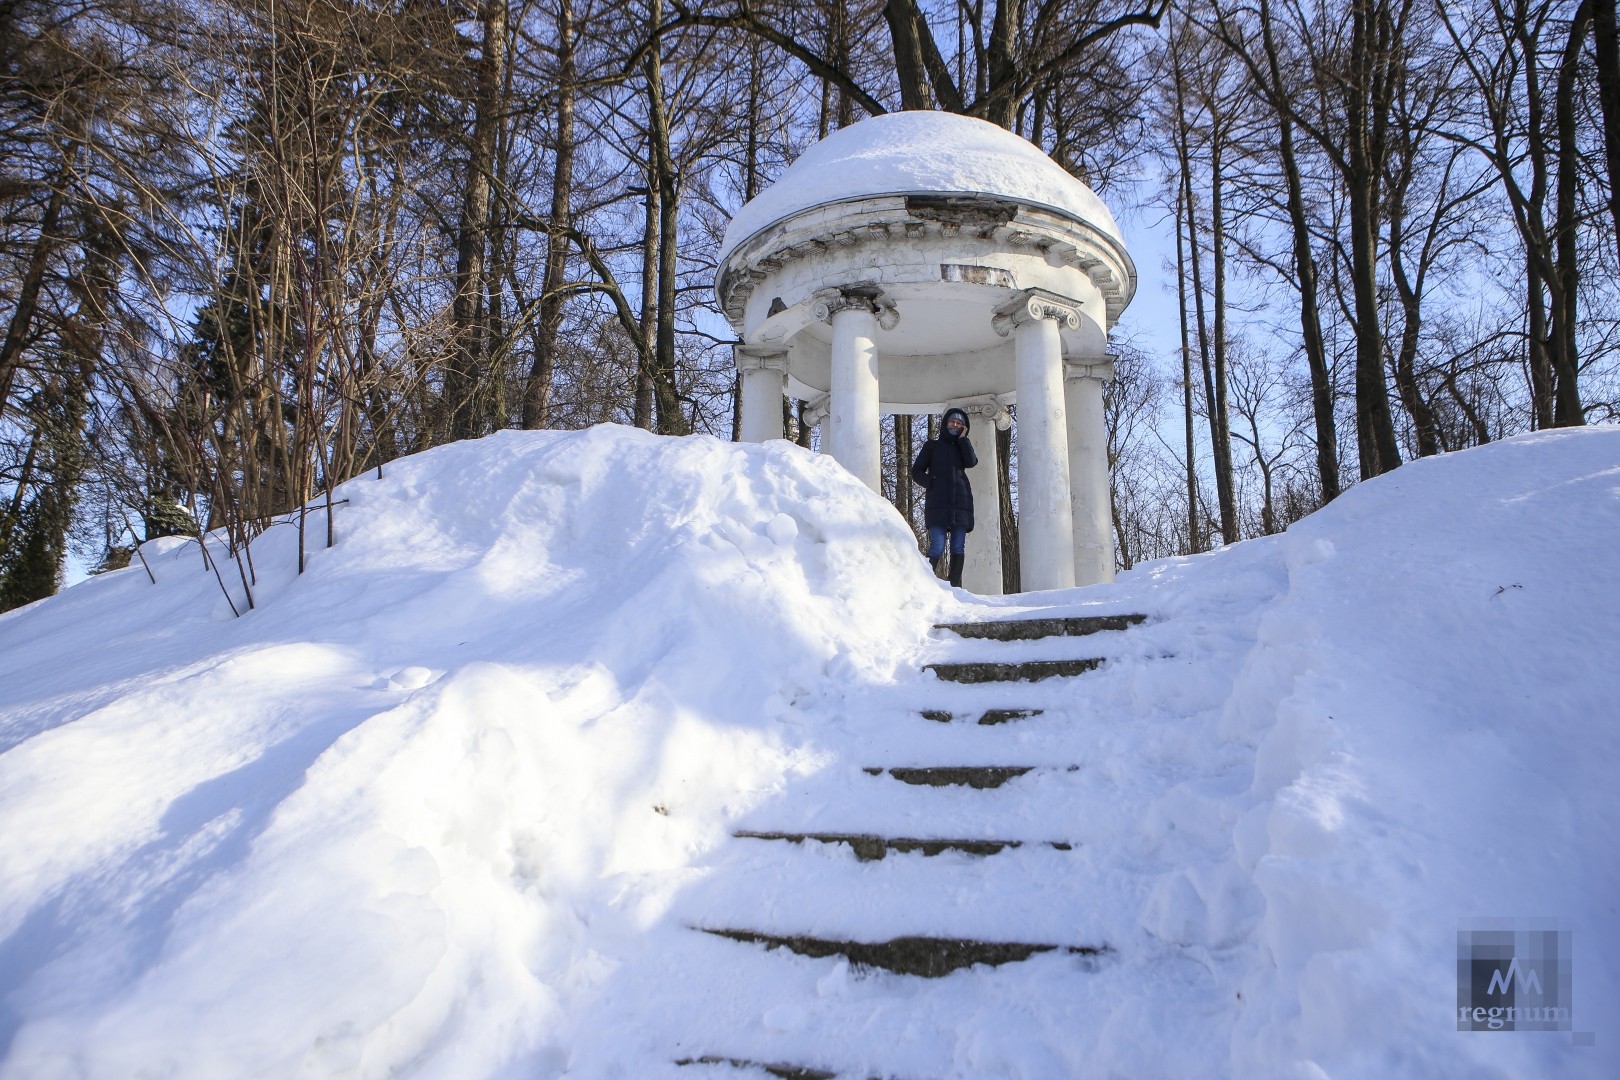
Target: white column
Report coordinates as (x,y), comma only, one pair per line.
(764,382)
(981,573)
(852,428)
(1088,469)
(1045,520)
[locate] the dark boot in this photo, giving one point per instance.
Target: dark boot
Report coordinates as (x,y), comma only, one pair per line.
(956,570)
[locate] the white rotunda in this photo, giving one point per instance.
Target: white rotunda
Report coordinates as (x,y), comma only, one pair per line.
(921,260)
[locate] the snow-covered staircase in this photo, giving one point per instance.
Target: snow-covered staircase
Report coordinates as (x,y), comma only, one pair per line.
(928,861)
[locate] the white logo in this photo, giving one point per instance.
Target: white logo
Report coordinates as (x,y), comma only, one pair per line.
(1514,977)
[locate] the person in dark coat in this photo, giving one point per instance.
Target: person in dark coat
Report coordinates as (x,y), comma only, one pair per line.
(941,470)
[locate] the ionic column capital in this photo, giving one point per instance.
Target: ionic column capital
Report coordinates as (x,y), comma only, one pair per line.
(1100,368)
(1032,304)
(760,358)
(816,409)
(863,296)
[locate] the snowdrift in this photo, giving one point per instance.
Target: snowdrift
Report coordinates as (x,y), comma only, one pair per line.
(1432,702)
(442,805)
(373,824)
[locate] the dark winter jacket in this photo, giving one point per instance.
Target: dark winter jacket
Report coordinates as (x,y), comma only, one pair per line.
(940,469)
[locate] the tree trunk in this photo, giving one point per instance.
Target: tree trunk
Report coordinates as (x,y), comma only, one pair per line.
(750,189)
(1406,384)
(468,313)
(537,389)
(1220,417)
(1567,410)
(1001,59)
(925,78)
(649,306)
(844,104)
(1011,567)
(1195,537)
(1310,317)
(903,17)
(904,495)
(1606,40)
(666,397)
(1366,115)
(1541,274)
(1182,139)
(22,315)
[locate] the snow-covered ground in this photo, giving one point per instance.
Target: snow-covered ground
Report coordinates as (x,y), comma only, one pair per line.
(455,802)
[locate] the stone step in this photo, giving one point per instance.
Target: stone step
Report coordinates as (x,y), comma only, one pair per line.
(777,1069)
(1027,671)
(928,957)
(870,848)
(989,716)
(975,776)
(1029,629)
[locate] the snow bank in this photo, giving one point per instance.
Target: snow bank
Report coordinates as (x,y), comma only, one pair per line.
(385,821)
(1433,704)
(916,153)
(449,804)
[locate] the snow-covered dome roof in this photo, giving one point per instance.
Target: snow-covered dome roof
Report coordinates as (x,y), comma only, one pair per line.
(916,153)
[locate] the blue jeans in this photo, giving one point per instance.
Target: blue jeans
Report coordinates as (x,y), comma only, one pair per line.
(936,541)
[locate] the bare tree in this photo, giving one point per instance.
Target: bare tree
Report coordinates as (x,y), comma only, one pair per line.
(1503,46)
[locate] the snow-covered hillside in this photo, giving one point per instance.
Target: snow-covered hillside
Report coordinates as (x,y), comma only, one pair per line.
(459,801)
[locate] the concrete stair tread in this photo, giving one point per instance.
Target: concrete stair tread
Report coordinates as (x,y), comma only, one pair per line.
(782,1070)
(936,812)
(1030,628)
(1012,671)
(985,717)
(870,847)
(926,957)
(694,994)
(983,777)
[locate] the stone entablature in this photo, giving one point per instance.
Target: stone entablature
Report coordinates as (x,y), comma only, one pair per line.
(1013,237)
